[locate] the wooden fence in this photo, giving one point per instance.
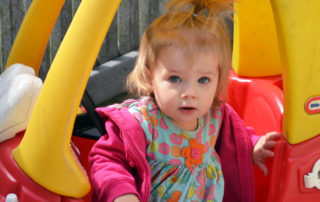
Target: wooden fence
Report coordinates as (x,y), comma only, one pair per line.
(132,17)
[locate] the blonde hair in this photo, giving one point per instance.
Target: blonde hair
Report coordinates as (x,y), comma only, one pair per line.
(192,25)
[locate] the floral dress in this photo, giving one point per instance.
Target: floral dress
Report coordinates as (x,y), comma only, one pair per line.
(184,165)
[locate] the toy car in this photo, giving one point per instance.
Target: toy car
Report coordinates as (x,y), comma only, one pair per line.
(274,86)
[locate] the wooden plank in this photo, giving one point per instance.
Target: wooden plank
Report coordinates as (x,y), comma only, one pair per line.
(11,16)
(66,17)
(148,11)
(162,4)
(58,32)
(51,50)
(27,4)
(128,26)
(17,14)
(45,64)
(75,5)
(6,38)
(124,35)
(109,49)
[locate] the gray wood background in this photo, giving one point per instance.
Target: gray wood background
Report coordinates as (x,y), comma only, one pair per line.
(132,17)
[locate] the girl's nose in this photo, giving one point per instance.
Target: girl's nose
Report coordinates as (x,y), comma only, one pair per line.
(188,92)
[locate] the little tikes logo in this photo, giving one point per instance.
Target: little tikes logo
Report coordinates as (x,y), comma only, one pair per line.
(313,105)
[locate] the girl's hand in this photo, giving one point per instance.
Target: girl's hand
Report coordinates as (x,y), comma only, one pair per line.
(262,150)
(127,198)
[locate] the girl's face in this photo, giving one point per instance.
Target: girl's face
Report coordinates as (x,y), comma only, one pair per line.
(184,86)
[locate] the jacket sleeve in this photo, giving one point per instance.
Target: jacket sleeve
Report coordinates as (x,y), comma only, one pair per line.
(111,173)
(234,146)
(254,138)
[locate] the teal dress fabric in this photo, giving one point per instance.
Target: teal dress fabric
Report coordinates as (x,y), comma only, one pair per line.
(184,164)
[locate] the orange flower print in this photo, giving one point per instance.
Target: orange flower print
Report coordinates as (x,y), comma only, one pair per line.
(145,114)
(194,153)
(212,140)
(154,121)
(176,151)
(175,196)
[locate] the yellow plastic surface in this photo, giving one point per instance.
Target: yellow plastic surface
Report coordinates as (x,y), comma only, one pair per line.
(255,46)
(48,135)
(34,33)
(298,25)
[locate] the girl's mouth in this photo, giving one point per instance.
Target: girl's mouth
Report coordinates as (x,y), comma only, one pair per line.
(187,110)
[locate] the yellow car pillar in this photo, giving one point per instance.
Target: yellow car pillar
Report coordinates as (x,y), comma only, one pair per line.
(298,27)
(44,154)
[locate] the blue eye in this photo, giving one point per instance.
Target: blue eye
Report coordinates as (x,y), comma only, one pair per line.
(174,79)
(203,80)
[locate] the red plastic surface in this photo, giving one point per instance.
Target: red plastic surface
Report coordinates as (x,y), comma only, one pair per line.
(13,180)
(84,145)
(259,102)
(291,163)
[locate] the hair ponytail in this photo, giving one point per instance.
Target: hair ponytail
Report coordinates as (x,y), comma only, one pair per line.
(196,6)
(213,9)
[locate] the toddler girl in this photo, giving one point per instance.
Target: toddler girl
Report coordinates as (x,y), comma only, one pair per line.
(167,145)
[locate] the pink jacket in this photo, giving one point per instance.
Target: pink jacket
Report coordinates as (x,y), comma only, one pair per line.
(118,163)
